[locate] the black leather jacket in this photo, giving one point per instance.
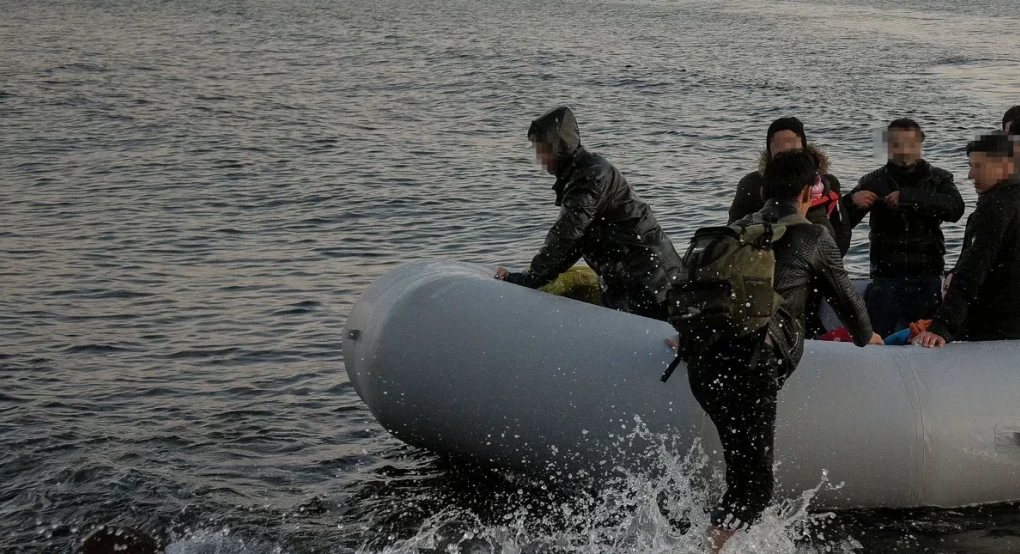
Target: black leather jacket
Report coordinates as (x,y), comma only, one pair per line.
(983,301)
(807,258)
(602,220)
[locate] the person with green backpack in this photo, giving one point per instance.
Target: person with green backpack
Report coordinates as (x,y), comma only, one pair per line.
(739,306)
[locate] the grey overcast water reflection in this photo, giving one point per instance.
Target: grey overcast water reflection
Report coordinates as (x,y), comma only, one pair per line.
(193,194)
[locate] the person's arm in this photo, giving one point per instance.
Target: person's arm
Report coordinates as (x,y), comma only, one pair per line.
(944,202)
(835,284)
(857,203)
(976,261)
(747,200)
(562,244)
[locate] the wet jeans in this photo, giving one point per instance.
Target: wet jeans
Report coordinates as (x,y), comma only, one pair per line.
(895,303)
(736,383)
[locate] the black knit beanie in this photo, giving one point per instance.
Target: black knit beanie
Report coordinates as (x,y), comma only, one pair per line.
(785,124)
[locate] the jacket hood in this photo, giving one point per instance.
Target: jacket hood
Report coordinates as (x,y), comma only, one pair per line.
(558,129)
(823,160)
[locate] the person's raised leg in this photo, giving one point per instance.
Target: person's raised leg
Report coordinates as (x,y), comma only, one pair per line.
(740,398)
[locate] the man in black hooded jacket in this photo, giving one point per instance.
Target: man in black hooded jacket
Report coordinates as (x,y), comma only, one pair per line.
(601,220)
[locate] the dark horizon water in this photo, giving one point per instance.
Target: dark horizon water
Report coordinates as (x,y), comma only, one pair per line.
(193,194)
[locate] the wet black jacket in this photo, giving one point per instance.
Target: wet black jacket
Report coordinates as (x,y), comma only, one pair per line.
(983,302)
(907,241)
(603,221)
(807,258)
(748,200)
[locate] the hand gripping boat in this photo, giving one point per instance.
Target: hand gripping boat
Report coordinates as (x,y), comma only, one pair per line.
(449,359)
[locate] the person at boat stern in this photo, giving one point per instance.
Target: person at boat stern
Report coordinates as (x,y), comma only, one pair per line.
(602,220)
(1008,120)
(737,381)
(1012,128)
(983,299)
(908,200)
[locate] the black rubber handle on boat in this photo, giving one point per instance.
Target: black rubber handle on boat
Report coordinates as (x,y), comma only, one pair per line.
(669,370)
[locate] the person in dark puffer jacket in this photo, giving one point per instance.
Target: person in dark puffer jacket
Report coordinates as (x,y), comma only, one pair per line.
(908,199)
(602,220)
(784,135)
(787,134)
(983,298)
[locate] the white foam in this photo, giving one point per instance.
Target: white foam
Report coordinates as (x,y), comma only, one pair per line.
(631,516)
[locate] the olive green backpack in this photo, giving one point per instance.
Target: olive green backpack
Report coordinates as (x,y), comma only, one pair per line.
(724,289)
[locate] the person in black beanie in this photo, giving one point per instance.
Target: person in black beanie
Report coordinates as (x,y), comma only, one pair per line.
(786,134)
(908,200)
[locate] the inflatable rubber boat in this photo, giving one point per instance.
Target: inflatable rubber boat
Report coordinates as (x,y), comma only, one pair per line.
(449,359)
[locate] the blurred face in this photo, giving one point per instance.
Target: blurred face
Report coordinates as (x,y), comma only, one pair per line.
(785,141)
(544,155)
(988,170)
(904,146)
(1010,128)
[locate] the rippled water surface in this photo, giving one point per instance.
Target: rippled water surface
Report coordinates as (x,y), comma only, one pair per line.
(193,194)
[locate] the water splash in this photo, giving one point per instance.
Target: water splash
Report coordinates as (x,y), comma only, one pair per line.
(664,510)
(220,542)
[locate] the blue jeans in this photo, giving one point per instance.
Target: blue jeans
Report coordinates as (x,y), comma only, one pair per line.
(895,303)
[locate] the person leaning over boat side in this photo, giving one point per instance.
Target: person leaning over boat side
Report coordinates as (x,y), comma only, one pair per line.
(737,381)
(908,200)
(983,300)
(786,134)
(602,220)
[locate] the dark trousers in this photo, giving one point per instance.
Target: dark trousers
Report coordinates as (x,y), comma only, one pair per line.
(736,383)
(895,303)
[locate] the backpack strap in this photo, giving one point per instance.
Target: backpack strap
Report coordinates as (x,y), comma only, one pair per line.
(756,230)
(686,353)
(672,367)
